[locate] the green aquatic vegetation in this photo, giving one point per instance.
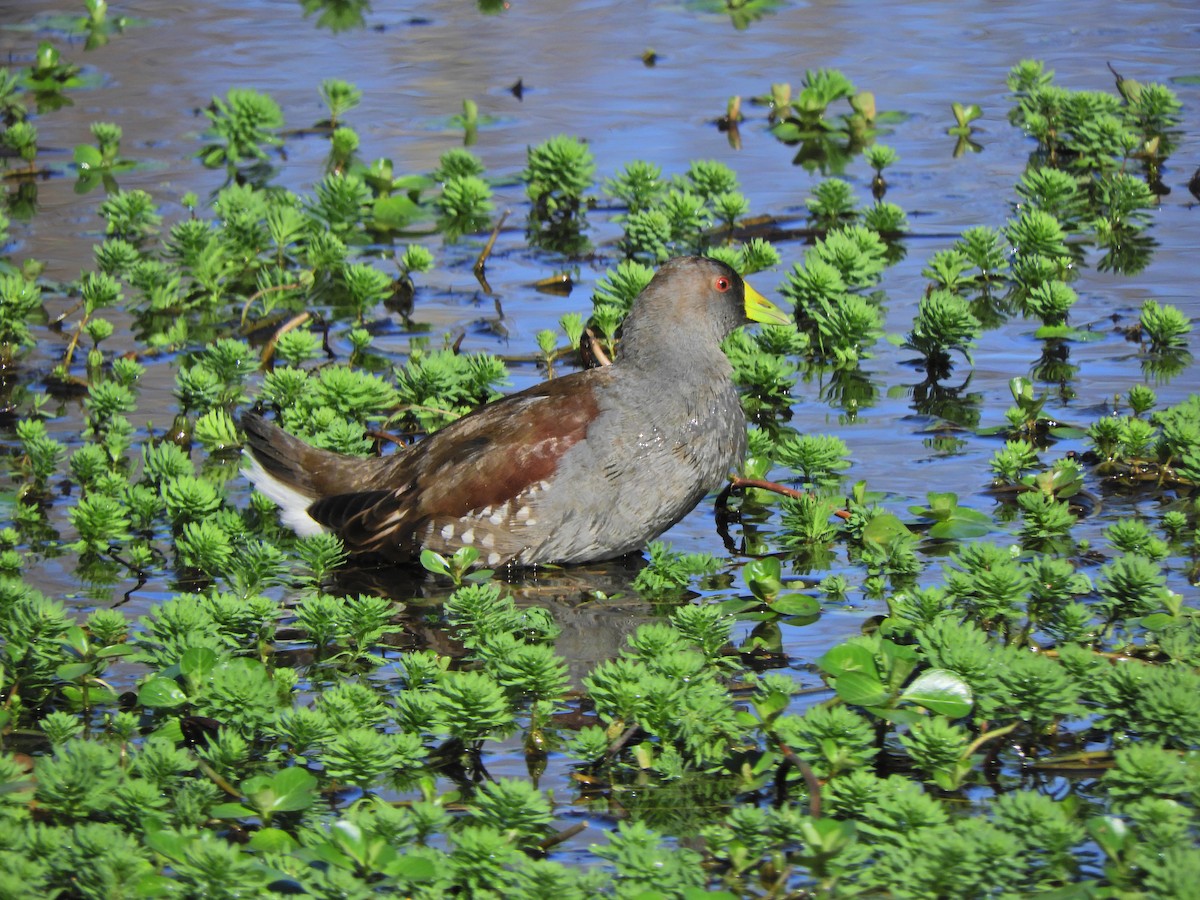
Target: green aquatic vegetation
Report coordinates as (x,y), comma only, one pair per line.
(944,322)
(98,164)
(669,571)
(948,270)
(273,717)
(557,175)
(343,145)
(465,204)
(437,386)
(886,219)
(639,185)
(20,298)
(1165,325)
(339,98)
(831,204)
(827,141)
(243,127)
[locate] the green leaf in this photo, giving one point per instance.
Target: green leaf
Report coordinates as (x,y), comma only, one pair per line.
(771,705)
(1158,621)
(71,671)
(288,790)
(884,529)
(410,868)
(231,811)
(114,650)
(963,524)
(197,664)
(795,605)
(87,157)
(393,213)
(272,840)
(76,639)
(434,562)
(860,689)
(161,692)
(940,691)
(845,658)
(171,845)
(763,577)
(827,836)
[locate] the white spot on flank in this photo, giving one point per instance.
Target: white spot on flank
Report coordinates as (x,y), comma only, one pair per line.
(493,558)
(489,540)
(522,513)
(468,536)
(447,532)
(496,519)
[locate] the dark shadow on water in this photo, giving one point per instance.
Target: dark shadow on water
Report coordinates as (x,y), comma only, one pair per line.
(595,605)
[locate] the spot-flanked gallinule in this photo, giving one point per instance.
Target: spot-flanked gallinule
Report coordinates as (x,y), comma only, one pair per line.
(580,468)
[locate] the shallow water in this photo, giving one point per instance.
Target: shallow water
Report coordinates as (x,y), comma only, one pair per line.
(581,68)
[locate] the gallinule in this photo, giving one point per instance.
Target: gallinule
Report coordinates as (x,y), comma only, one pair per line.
(580,468)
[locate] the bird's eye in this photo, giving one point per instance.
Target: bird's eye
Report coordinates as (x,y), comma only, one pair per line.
(722,283)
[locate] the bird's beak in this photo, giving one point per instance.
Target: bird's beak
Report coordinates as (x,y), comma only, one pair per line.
(760,309)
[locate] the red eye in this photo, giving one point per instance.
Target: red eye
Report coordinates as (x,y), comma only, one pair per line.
(722,283)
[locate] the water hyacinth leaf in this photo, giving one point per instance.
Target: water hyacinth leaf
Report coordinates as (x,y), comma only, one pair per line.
(849,658)
(860,689)
(763,577)
(941,691)
(854,674)
(272,840)
(197,663)
(71,671)
(161,693)
(795,605)
(393,213)
(87,157)
(951,521)
(289,790)
(231,811)
(884,529)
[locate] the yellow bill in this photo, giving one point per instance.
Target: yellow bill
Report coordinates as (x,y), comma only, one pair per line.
(760,309)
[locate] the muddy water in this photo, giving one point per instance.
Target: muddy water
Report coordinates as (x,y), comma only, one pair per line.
(581,67)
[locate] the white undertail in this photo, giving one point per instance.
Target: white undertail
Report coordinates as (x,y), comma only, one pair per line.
(293,504)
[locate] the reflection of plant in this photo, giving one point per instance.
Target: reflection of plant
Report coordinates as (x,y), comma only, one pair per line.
(962,128)
(880,157)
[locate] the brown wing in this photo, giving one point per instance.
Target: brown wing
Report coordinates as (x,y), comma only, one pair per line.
(485,462)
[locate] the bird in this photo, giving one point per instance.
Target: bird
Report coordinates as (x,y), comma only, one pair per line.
(581,468)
